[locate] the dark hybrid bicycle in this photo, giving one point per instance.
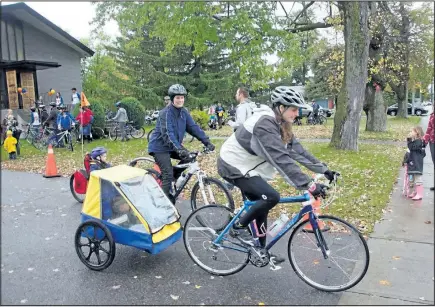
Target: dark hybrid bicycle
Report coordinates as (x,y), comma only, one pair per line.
(326,252)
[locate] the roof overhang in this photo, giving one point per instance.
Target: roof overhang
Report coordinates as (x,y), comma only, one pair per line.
(31,65)
(23,12)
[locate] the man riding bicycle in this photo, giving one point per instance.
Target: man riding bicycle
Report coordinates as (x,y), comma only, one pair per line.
(166,141)
(263,143)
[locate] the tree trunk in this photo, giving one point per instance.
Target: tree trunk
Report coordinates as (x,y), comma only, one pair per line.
(376,110)
(402,100)
(351,98)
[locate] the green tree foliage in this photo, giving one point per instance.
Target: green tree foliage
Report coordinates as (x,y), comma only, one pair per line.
(200,117)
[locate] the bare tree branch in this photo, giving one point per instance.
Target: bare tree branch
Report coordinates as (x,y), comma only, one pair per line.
(309,27)
(283,8)
(301,12)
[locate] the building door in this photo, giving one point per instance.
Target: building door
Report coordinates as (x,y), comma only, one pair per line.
(11,83)
(28,83)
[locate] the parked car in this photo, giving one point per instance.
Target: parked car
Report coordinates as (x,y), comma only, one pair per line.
(308,109)
(392,110)
(155,115)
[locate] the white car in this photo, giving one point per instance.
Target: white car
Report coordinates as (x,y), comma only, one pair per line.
(155,115)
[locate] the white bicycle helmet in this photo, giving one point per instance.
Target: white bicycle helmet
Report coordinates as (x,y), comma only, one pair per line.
(286,96)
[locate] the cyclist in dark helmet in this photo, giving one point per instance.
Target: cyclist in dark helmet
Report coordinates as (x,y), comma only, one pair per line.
(166,141)
(263,144)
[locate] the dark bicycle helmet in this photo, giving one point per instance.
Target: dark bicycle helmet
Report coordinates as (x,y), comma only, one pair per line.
(286,96)
(177,89)
(118,104)
(98,151)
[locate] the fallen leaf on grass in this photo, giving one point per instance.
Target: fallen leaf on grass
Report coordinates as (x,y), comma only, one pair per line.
(134,277)
(186,282)
(421,298)
(396,257)
(56,270)
(211,277)
(116,287)
(158,277)
(174,297)
(23,301)
(11,271)
(30,269)
(260,304)
(197,287)
(428,222)
(316,262)
(384,282)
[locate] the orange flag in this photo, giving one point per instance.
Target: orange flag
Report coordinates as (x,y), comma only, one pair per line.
(84,100)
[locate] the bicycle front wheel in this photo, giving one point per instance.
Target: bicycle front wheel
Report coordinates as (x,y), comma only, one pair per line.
(347,254)
(149,134)
(229,257)
(114,133)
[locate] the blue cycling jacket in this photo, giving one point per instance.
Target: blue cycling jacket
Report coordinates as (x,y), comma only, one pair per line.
(171,126)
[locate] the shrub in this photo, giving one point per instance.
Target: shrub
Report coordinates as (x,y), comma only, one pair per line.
(200,117)
(135,111)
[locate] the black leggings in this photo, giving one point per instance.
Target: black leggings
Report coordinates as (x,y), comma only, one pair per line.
(257,189)
(163,160)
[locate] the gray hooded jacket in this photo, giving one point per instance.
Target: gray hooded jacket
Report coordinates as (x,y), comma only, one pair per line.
(256,149)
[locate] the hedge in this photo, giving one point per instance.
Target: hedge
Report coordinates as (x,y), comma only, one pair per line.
(200,117)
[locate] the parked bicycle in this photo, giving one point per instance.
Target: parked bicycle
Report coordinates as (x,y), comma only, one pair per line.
(326,252)
(65,137)
(206,190)
(187,137)
(130,130)
(320,119)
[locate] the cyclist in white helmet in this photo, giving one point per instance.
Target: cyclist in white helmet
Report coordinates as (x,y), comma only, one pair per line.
(263,144)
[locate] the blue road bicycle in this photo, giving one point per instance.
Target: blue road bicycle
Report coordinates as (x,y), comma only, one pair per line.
(326,252)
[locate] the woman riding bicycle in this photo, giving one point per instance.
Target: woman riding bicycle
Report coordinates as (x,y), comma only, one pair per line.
(263,143)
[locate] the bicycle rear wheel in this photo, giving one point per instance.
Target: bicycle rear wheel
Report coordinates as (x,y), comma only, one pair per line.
(229,257)
(137,133)
(348,255)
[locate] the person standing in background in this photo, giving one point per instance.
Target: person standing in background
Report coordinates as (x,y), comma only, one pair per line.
(75,99)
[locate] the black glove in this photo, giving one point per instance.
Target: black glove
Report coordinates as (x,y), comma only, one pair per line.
(183,153)
(330,175)
(210,146)
(318,189)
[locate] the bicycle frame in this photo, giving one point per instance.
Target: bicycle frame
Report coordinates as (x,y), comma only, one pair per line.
(193,169)
(285,200)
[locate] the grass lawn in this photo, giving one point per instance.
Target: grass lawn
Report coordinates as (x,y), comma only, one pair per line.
(368,176)
(397,129)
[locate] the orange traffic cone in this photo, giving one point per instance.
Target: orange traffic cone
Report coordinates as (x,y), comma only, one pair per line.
(50,167)
(316,209)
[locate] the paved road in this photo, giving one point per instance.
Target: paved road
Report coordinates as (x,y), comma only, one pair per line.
(40,265)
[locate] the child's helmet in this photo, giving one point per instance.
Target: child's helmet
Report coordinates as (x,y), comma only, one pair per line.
(98,151)
(9,132)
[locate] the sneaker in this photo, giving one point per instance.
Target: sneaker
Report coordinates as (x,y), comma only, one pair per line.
(276,259)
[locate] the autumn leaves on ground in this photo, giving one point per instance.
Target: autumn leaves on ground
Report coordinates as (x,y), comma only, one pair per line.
(367,176)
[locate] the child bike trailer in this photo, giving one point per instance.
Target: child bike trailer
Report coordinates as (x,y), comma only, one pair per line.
(124,205)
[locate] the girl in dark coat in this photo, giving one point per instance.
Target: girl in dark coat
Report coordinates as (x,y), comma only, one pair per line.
(414,161)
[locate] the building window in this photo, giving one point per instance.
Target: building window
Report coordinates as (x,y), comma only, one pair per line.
(11,42)
(4,41)
(20,46)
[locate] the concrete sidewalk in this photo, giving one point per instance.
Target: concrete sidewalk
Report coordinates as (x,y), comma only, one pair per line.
(401,270)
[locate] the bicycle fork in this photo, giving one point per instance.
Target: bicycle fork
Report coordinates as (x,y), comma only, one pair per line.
(321,243)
